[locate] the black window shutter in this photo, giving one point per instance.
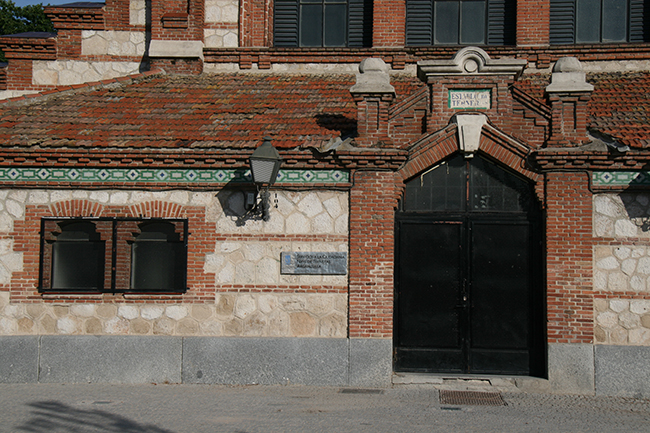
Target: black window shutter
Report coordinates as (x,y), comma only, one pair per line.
(502,22)
(360,23)
(285,23)
(639,21)
(419,22)
(562,28)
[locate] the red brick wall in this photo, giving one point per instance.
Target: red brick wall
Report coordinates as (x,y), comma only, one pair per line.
(570,115)
(117,15)
(533,22)
(178,20)
(388,21)
(256,23)
(372,223)
(68,44)
(569,258)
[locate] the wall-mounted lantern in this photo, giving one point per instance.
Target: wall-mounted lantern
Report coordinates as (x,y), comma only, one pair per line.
(265,163)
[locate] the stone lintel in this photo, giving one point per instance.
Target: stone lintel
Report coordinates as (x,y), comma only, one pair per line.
(176,49)
(470,61)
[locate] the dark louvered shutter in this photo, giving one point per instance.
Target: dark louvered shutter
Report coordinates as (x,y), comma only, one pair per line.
(562,28)
(639,21)
(285,24)
(419,22)
(502,22)
(360,23)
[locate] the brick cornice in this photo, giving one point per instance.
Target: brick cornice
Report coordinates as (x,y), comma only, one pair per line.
(192,158)
(555,159)
(76,18)
(399,57)
(29,48)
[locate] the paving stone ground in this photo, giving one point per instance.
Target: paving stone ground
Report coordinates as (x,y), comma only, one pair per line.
(251,409)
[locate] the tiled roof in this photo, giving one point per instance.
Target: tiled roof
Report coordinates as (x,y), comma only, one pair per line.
(619,107)
(216,111)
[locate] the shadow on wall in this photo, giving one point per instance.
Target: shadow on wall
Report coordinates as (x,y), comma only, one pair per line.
(233,199)
(52,416)
(346,126)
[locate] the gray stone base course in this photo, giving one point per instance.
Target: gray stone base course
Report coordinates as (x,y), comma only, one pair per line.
(18,359)
(571,368)
(214,360)
(110,359)
(623,371)
(371,362)
(265,361)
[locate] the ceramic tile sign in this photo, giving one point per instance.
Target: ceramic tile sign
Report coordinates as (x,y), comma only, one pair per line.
(302,263)
(466,99)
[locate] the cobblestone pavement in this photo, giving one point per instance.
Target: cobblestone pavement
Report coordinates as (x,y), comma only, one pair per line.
(249,409)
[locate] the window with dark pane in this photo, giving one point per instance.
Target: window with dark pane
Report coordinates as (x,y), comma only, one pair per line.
(491,188)
(441,188)
(158,260)
(323,23)
(599,21)
(460,22)
(77,256)
(113,255)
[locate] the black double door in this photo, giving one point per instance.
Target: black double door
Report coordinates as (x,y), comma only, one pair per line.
(468,274)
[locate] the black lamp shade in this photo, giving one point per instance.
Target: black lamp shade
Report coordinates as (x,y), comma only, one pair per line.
(265,163)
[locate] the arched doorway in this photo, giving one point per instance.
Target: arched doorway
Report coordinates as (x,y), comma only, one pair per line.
(469,289)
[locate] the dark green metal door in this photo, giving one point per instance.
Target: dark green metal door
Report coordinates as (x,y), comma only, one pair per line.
(468,274)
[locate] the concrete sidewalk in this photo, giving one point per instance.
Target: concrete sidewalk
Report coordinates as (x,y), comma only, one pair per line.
(248,409)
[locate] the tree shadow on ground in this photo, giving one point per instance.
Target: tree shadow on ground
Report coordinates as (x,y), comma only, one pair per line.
(53,416)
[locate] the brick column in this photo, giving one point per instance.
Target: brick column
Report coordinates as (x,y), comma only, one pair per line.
(569,262)
(373,95)
(372,223)
(569,95)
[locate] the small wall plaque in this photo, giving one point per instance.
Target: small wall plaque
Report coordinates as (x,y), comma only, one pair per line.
(299,263)
(469,99)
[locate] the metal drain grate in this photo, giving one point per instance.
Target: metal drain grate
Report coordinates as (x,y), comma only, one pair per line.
(471,398)
(361,391)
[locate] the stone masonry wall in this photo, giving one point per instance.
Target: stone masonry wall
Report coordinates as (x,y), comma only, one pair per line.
(622,268)
(221,20)
(236,291)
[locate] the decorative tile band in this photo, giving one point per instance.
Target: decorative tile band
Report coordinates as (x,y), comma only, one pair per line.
(140,175)
(620,178)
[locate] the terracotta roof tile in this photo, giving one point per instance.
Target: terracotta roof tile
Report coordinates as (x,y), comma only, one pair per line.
(619,107)
(221,111)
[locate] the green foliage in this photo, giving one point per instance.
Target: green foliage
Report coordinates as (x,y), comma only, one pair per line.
(15,19)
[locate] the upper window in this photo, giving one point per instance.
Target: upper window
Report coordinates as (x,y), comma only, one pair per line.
(113,255)
(323,23)
(460,22)
(599,21)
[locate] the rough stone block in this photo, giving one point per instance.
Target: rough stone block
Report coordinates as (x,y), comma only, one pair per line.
(371,362)
(267,361)
(18,359)
(110,359)
(623,371)
(571,368)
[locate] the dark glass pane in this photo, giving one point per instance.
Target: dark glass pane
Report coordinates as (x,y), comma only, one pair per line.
(446,22)
(472,19)
(158,259)
(311,25)
(440,189)
(493,189)
(588,21)
(614,21)
(78,258)
(335,28)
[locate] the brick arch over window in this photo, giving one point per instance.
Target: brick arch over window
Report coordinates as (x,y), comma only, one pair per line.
(75,208)
(156,209)
(432,149)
